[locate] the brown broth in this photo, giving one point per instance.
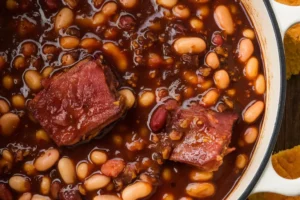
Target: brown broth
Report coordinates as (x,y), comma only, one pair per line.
(128,128)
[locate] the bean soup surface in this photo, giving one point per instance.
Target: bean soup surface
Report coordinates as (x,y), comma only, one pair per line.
(202,51)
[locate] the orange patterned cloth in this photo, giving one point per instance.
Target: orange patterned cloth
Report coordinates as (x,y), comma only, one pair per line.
(286,164)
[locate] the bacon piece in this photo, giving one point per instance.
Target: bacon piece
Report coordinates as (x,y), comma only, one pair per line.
(77,104)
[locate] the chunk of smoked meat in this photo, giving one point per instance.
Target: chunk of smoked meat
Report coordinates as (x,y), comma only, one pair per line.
(206,136)
(78,104)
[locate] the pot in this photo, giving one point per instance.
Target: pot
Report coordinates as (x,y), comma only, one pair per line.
(270,20)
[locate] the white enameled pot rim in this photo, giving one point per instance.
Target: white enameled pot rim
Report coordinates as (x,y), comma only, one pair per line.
(281,105)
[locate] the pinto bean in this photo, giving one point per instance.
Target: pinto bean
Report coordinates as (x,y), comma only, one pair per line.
(245,49)
(200,190)
(136,191)
(158,119)
(4,107)
(252,68)
(19,183)
(113,167)
(192,45)
(221,79)
(64,19)
(33,80)
(9,122)
(117,55)
(67,170)
(224,19)
(46,160)
(212,60)
(106,197)
(253,111)
(260,84)
(250,135)
(167,3)
(211,97)
(96,181)
(98,157)
(129,97)
(129,3)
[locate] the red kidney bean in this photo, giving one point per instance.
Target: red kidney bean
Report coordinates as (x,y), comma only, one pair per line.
(126,22)
(5,193)
(158,119)
(51,4)
(69,194)
(55,188)
(217,40)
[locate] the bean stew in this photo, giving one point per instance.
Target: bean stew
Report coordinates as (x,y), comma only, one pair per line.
(127,99)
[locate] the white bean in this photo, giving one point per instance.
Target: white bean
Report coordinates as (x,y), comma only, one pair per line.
(167,3)
(25,196)
(96,181)
(224,19)
(98,157)
(45,185)
(221,79)
(64,19)
(106,197)
(46,160)
(19,183)
(66,170)
(260,84)
(212,60)
(117,55)
(252,112)
(82,170)
(245,49)
(9,122)
(136,191)
(40,197)
(200,190)
(211,97)
(129,97)
(252,68)
(192,45)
